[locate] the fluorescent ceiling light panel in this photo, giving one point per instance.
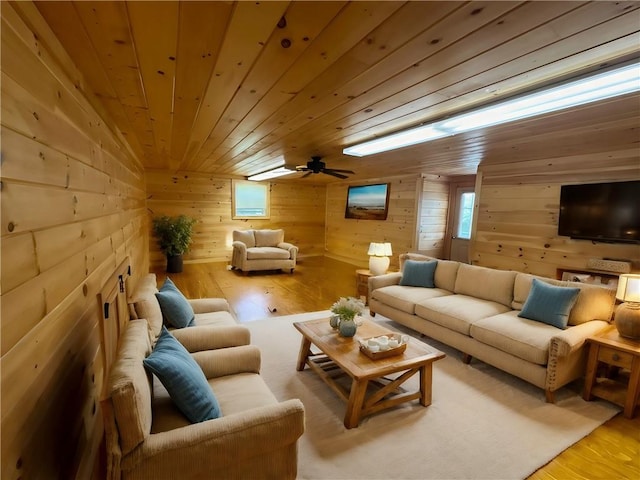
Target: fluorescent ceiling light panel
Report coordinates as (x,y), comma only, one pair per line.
(396,140)
(276,172)
(605,85)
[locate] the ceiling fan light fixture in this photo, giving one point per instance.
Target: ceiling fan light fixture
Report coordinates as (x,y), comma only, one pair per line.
(273,173)
(609,84)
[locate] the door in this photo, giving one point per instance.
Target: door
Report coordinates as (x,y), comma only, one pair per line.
(462,223)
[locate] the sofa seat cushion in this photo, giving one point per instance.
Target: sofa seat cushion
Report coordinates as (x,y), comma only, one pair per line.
(235,394)
(458,312)
(520,337)
(267,253)
(404,298)
(214,318)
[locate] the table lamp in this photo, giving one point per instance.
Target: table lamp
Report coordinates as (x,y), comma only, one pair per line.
(627,317)
(379,257)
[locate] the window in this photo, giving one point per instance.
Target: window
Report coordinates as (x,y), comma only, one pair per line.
(249,200)
(465,215)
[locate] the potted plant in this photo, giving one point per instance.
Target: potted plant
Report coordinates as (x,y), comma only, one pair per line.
(174,237)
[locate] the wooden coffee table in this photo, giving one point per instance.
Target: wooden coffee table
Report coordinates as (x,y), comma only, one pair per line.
(370,391)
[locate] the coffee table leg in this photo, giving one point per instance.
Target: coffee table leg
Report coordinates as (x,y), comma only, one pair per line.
(426,377)
(305,351)
(354,406)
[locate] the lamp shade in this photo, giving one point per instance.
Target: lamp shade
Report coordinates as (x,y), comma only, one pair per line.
(379,257)
(380,249)
(628,288)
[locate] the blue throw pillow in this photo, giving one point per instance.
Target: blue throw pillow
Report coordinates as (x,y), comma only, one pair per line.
(183,378)
(176,309)
(549,304)
(419,274)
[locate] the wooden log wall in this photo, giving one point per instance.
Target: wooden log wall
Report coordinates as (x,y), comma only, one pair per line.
(518,206)
(297,207)
(73,210)
(348,239)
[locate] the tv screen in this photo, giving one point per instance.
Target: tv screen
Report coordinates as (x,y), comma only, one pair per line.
(607,212)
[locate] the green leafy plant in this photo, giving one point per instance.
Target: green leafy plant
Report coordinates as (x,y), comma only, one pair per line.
(173,233)
(348,307)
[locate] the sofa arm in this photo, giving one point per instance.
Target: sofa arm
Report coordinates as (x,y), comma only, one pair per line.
(211,337)
(292,249)
(207,305)
(571,339)
(220,444)
(240,247)
(385,280)
(228,361)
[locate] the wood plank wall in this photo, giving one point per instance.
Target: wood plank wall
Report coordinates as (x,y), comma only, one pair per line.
(348,239)
(297,207)
(434,212)
(73,209)
(518,205)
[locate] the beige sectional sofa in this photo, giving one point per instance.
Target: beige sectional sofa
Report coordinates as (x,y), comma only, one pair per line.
(149,438)
(262,250)
(475,310)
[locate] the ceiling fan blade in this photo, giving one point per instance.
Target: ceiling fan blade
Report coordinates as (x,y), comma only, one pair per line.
(306,174)
(341,171)
(333,173)
(302,168)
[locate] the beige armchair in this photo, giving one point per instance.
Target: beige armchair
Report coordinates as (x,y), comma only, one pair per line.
(147,437)
(209,313)
(262,250)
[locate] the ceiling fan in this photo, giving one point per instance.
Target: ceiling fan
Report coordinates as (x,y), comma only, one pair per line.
(318,166)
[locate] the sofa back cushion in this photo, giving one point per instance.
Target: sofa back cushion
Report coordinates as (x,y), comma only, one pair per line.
(403,257)
(446,273)
(269,238)
(130,386)
(594,302)
(144,304)
(485,283)
(245,236)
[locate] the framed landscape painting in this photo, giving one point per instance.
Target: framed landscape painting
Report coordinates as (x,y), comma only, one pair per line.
(368,202)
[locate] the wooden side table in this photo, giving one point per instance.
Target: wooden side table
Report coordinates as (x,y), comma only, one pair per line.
(362,284)
(622,356)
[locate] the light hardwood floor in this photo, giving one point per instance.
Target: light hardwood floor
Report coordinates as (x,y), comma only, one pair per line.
(611,452)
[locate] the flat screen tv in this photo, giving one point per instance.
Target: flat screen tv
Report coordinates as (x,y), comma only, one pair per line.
(606,212)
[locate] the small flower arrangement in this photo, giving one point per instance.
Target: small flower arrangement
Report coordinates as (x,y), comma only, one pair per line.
(348,307)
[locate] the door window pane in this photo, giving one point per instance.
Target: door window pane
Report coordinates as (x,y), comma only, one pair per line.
(465,215)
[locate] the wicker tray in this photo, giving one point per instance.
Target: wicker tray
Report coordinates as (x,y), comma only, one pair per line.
(383,353)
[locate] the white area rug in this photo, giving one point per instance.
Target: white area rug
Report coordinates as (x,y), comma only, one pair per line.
(482,424)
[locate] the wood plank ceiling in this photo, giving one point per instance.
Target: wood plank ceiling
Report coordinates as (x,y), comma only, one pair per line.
(235,88)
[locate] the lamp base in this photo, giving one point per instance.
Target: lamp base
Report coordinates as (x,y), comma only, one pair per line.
(627,320)
(378,265)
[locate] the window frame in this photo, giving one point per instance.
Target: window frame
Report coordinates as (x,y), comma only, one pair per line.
(460,194)
(237,185)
